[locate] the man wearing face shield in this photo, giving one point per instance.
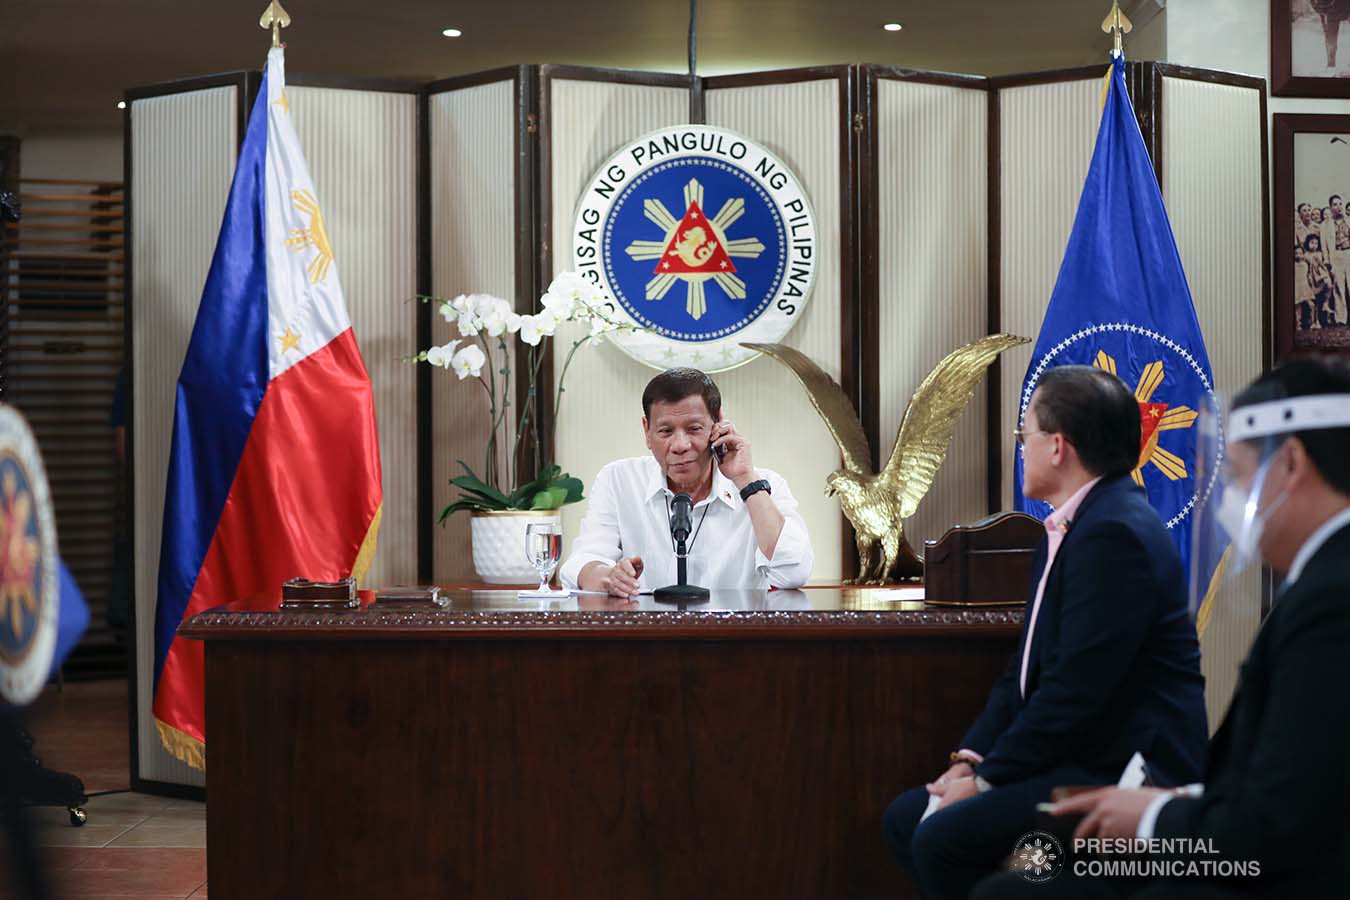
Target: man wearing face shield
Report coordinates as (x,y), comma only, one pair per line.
(1274,791)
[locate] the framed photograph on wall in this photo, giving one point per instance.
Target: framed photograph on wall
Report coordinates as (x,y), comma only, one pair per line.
(1312,233)
(1310,48)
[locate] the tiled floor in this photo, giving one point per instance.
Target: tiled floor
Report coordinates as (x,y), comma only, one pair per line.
(133,845)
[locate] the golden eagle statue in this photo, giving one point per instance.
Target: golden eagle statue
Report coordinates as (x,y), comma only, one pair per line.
(877,504)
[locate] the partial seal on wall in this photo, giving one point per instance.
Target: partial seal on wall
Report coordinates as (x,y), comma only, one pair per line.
(29,584)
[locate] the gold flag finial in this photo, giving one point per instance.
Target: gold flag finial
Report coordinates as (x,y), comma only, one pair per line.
(275,18)
(1117,24)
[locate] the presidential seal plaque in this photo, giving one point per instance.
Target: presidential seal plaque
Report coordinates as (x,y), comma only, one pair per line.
(703,238)
(29,584)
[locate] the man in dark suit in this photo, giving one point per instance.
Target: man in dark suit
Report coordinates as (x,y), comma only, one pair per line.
(1108,664)
(1274,792)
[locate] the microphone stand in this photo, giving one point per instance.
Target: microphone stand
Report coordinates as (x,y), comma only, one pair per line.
(682,592)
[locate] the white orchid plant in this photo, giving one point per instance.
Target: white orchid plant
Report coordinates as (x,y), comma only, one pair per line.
(482,320)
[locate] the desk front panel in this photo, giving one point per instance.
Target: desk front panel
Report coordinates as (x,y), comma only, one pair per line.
(528,762)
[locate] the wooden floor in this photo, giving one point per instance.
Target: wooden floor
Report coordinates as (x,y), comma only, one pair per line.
(133,845)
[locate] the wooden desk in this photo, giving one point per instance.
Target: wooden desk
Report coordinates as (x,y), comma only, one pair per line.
(593,749)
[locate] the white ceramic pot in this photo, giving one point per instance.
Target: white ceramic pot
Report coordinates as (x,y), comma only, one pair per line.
(499,545)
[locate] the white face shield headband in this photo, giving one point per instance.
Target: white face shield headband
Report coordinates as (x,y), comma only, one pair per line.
(1232,516)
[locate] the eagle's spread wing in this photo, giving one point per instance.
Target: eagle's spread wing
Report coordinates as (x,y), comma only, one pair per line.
(830,401)
(921,443)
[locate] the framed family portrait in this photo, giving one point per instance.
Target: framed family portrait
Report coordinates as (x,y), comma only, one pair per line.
(1312,233)
(1310,48)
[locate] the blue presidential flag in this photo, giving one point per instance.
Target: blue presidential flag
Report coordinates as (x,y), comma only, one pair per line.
(1121,303)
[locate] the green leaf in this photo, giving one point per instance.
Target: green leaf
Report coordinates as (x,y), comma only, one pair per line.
(551,498)
(489,498)
(574,488)
(473,484)
(463,503)
(526,491)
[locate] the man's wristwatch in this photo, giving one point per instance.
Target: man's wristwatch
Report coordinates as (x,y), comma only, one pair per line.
(755,487)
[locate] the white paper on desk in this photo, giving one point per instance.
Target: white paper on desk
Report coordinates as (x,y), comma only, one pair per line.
(896,595)
(933,801)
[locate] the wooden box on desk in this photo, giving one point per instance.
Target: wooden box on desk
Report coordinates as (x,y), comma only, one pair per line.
(987,563)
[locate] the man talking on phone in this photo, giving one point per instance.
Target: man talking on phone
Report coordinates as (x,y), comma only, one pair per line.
(746,530)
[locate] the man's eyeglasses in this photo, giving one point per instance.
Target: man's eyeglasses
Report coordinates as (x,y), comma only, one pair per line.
(1020,435)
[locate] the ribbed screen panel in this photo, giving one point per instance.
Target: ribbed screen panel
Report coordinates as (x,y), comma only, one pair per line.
(1046,135)
(601,414)
(800,124)
(183,149)
(473,247)
(932,171)
(362,152)
(1212,153)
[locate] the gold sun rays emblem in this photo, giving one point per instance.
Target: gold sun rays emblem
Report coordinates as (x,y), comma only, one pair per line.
(316,236)
(1154,418)
(695,249)
(19,553)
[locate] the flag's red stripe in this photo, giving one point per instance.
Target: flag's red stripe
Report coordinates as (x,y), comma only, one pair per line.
(301,503)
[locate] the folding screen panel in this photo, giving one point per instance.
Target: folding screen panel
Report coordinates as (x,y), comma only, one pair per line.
(585,115)
(928,271)
(475,245)
(182,146)
(1046,134)
(1214,177)
(803,117)
(361,144)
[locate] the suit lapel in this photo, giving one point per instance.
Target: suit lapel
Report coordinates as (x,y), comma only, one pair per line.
(1052,582)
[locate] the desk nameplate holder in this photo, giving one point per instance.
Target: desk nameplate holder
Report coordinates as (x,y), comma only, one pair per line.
(301,594)
(408,598)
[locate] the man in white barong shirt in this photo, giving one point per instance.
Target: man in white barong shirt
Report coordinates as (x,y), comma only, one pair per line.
(747,531)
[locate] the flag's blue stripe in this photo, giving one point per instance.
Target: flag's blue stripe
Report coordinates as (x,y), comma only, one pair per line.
(221,385)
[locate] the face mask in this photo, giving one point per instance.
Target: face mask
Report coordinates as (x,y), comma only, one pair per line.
(1232,517)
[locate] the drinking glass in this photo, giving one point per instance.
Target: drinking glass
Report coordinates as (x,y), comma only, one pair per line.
(543,549)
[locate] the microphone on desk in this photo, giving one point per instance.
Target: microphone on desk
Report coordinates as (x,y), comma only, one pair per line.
(681,523)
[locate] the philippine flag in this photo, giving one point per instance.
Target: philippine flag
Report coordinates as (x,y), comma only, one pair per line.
(275,466)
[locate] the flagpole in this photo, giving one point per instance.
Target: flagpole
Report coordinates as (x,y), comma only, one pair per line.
(275,18)
(1118,25)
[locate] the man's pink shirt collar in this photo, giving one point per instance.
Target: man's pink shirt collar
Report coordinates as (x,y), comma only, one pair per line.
(1058,521)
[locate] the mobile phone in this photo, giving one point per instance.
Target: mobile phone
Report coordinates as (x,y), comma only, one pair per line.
(720,452)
